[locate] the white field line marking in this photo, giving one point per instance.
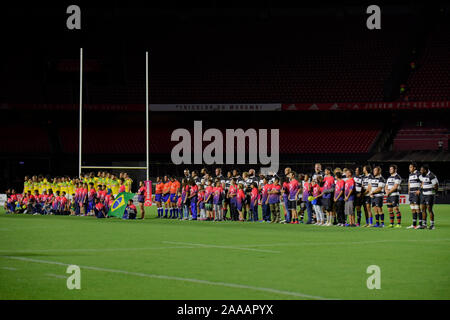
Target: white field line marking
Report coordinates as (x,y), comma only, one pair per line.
(221,247)
(156,276)
(339,243)
(9,268)
(99,249)
(56,275)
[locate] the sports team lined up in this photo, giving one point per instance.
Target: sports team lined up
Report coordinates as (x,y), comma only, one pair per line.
(329,197)
(64,195)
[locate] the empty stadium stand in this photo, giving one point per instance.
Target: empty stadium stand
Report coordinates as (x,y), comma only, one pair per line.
(411,137)
(431,80)
(24,139)
(293,140)
(357,139)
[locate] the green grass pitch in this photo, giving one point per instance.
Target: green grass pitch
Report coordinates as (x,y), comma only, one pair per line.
(171,259)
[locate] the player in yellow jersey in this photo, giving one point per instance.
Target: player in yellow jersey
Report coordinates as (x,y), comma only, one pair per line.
(26,184)
(108,184)
(45,184)
(128,182)
(35,184)
(62,185)
(71,187)
(96,180)
(58,185)
(114,185)
(41,184)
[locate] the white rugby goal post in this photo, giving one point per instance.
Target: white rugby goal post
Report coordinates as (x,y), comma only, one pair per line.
(80,144)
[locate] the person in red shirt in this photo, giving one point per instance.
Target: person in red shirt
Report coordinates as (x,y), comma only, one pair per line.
(36,203)
(254,197)
(111,202)
(306,190)
(107,200)
(193,193)
(274,200)
(90,198)
(218,193)
(316,202)
(99,209)
(48,202)
(29,202)
(173,190)
(339,199)
(141,198)
(83,199)
(264,200)
(76,198)
(63,204)
(209,197)
(327,194)
(121,186)
(301,178)
(166,194)
(11,202)
(349,193)
(158,196)
(240,197)
(294,190)
(232,193)
(201,203)
(184,198)
(285,196)
(55,203)
(131,210)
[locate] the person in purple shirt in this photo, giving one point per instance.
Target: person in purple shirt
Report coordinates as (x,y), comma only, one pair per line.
(274,200)
(339,199)
(349,191)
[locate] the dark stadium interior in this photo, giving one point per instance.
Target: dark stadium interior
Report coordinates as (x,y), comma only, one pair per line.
(267,54)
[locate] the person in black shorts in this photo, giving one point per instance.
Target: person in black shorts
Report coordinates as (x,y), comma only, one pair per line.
(392,191)
(429,186)
(366,199)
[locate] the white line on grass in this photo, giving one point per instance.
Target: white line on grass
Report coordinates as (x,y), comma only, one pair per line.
(221,247)
(56,275)
(99,249)
(307,243)
(9,268)
(156,276)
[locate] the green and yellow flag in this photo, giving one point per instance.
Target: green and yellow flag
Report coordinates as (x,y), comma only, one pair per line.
(120,203)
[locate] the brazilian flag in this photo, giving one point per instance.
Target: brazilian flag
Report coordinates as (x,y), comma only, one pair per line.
(120,203)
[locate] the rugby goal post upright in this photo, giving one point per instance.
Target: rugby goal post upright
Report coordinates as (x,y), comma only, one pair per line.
(80,165)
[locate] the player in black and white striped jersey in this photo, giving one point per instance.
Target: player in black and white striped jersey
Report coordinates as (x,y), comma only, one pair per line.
(237,176)
(317,172)
(414,196)
(226,201)
(392,191)
(196,178)
(252,177)
(377,184)
(429,186)
(219,175)
(366,200)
